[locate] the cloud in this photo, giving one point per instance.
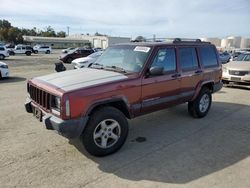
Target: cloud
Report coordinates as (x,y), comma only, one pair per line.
(165,18)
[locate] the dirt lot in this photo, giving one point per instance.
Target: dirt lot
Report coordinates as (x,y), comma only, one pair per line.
(179,151)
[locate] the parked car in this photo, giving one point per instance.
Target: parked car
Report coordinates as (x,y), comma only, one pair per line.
(127,81)
(23,49)
(98,49)
(42,49)
(79,52)
(237,71)
(67,50)
(10,48)
(3,52)
(86,61)
(4,70)
(224,57)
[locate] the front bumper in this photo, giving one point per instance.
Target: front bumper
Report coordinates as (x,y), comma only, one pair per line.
(235,78)
(68,128)
(5,73)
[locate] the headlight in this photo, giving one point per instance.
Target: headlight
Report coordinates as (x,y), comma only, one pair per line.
(56,103)
(224,69)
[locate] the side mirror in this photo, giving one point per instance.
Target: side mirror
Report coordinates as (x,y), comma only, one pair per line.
(156,71)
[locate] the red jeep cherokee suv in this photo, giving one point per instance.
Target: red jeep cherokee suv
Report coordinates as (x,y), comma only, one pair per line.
(127,81)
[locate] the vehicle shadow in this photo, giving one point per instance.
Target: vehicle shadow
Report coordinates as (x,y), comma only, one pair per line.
(12,79)
(179,149)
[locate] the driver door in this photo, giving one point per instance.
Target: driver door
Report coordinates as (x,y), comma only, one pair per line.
(160,91)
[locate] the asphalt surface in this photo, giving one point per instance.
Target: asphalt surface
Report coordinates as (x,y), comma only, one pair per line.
(164,149)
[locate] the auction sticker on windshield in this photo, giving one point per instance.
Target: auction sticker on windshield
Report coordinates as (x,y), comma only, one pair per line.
(142,49)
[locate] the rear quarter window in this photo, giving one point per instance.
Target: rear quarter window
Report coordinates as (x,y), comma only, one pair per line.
(208,56)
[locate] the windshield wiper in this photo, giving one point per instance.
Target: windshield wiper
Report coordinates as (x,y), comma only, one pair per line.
(119,69)
(96,65)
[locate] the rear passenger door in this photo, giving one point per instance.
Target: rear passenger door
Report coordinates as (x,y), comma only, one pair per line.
(191,72)
(160,91)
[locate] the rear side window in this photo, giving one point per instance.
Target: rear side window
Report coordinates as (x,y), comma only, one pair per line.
(165,58)
(208,56)
(188,58)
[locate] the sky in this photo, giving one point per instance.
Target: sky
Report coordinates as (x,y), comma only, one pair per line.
(131,18)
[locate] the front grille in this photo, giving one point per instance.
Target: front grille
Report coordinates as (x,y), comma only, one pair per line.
(238,73)
(40,97)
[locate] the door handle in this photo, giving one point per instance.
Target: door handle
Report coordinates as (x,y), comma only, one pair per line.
(198,71)
(176,75)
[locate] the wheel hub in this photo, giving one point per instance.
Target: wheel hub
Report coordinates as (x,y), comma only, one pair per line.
(107,133)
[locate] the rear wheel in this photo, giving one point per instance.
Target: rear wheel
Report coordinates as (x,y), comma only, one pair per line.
(105,132)
(47,52)
(201,105)
(35,51)
(28,53)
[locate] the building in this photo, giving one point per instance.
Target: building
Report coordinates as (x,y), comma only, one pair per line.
(56,42)
(245,43)
(215,41)
(77,40)
(101,41)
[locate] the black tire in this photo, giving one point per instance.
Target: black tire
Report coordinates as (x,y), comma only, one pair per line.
(197,108)
(69,60)
(47,52)
(105,114)
(2,56)
(35,51)
(28,53)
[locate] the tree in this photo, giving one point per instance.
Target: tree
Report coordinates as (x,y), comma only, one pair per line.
(61,34)
(11,34)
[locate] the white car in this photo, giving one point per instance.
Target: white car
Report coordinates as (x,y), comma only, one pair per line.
(3,52)
(86,61)
(67,50)
(4,70)
(42,49)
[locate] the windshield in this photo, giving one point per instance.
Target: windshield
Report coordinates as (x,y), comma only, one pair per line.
(243,57)
(126,58)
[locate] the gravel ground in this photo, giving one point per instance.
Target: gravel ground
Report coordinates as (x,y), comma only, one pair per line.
(176,150)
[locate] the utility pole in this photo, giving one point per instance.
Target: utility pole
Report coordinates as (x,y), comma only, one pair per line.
(68,30)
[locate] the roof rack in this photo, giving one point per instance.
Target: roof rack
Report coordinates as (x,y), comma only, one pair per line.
(173,40)
(184,40)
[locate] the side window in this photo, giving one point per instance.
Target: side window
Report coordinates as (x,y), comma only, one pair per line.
(188,58)
(208,56)
(165,58)
(1,49)
(18,48)
(23,48)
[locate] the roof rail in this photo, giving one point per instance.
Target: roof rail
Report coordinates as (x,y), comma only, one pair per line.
(173,40)
(186,40)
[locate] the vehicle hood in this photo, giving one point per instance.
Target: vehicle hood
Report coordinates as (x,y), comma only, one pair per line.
(2,63)
(80,78)
(238,65)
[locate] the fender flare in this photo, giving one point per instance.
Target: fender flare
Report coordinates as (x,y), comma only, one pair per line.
(107,101)
(199,86)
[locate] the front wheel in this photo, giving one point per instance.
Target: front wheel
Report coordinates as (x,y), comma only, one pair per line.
(105,132)
(201,105)
(2,57)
